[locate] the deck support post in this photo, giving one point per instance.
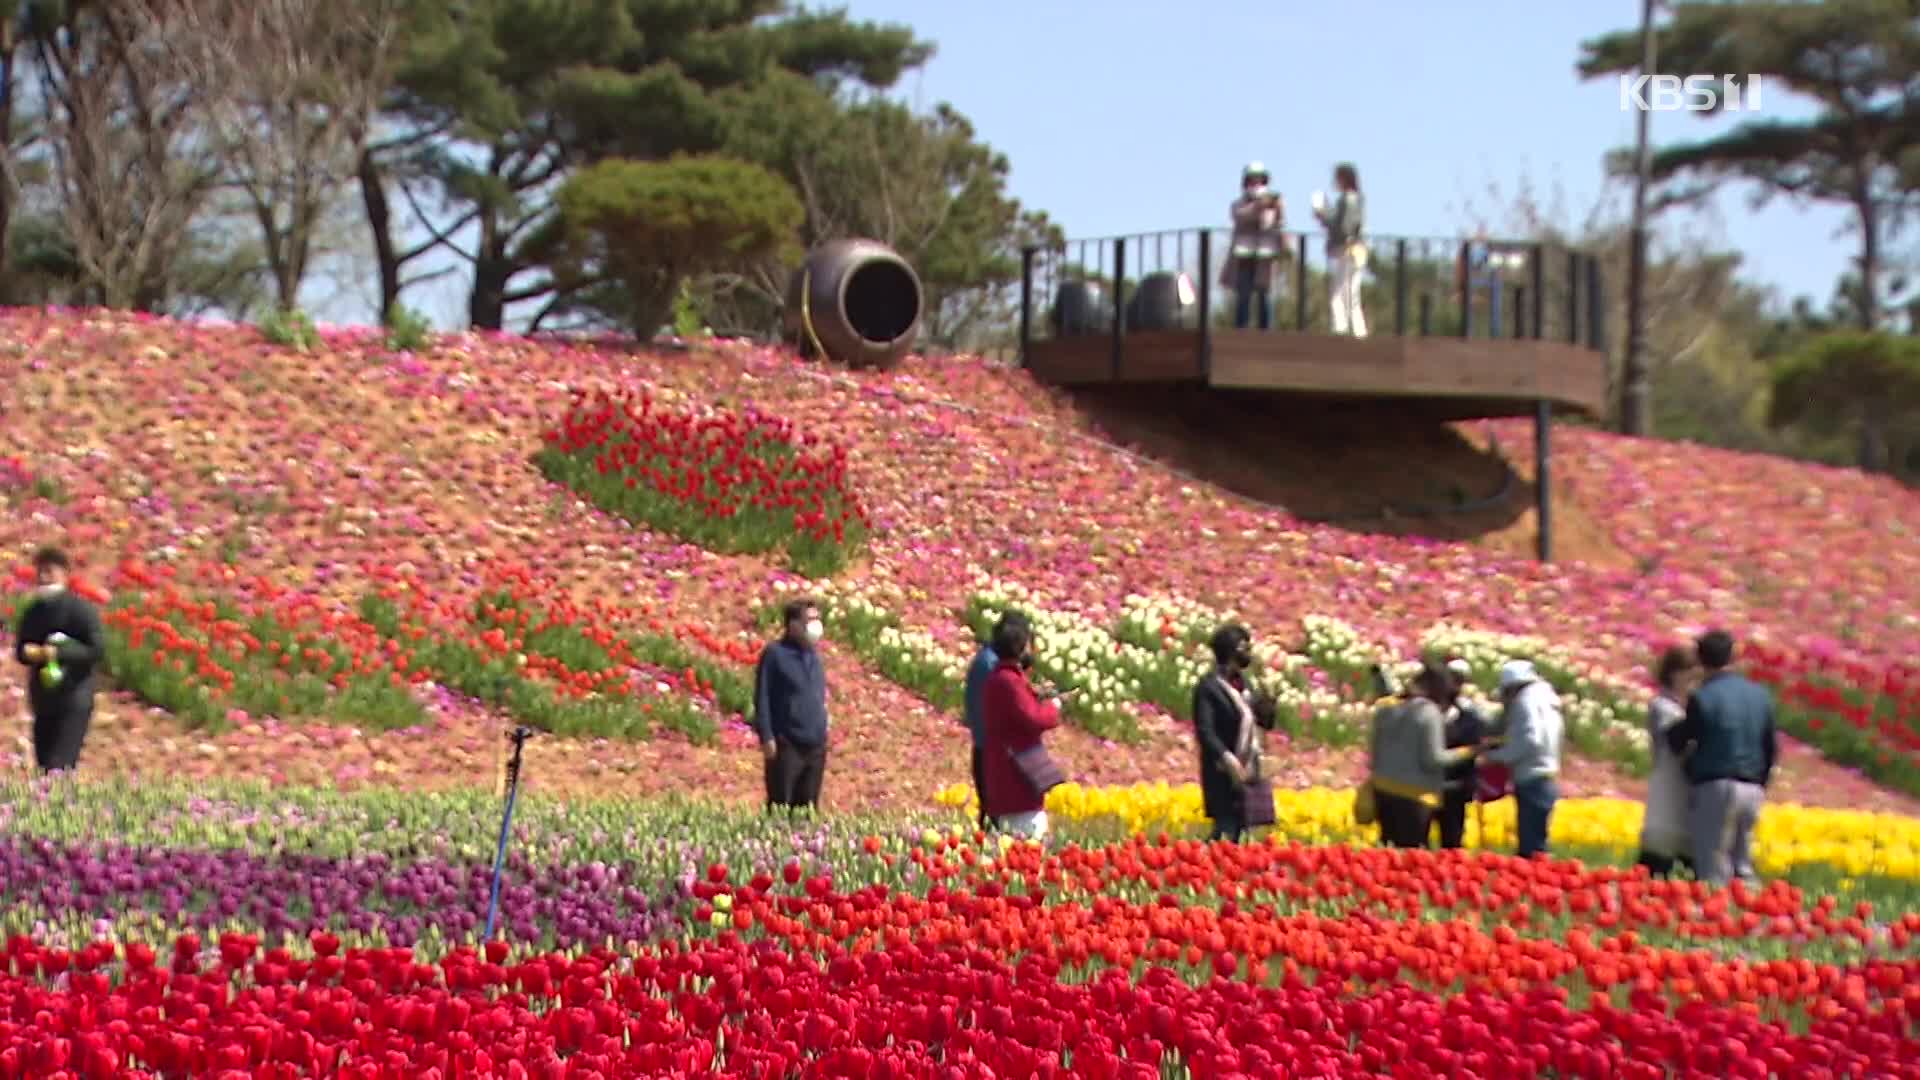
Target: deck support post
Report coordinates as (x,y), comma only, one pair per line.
(1206,305)
(1400,288)
(1119,303)
(1300,287)
(1543,409)
(1539,312)
(1466,289)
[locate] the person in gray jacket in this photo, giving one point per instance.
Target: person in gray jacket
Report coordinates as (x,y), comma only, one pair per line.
(1731,745)
(1408,758)
(1531,750)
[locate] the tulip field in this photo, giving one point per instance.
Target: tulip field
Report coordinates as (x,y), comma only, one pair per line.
(164,930)
(332,578)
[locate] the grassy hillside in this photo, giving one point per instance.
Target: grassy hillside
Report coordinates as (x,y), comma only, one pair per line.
(202,462)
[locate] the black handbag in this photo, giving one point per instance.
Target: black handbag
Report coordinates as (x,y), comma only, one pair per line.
(1038,769)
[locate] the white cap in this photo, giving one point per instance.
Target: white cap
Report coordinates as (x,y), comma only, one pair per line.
(1517,673)
(1254,168)
(1460,668)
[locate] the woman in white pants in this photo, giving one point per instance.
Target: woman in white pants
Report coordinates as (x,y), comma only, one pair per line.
(1345,221)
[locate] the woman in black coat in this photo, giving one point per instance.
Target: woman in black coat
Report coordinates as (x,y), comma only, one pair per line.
(1226,713)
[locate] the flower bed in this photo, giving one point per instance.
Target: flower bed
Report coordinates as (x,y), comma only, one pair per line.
(731,482)
(308,931)
(1863,715)
(554,667)
(1846,843)
(739,1008)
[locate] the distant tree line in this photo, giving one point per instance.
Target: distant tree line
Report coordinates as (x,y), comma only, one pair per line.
(611,163)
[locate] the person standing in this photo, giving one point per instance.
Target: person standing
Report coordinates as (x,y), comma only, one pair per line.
(1535,730)
(1345,220)
(1227,726)
(61,642)
(1408,758)
(1664,839)
(974,711)
(1258,244)
(1017,773)
(1467,728)
(790,709)
(1731,744)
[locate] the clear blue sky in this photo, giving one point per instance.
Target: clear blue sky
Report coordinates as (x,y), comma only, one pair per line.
(1127,116)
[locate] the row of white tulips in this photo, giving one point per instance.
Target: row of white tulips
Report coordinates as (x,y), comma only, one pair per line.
(1154,649)
(1159,643)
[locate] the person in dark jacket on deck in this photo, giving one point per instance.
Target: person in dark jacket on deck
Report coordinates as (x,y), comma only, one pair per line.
(61,642)
(1016,719)
(790,709)
(982,668)
(1227,724)
(1731,745)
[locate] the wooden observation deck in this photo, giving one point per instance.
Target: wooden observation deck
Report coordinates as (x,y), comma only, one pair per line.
(1459,329)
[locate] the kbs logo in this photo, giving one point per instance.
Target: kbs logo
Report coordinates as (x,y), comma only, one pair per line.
(1694,93)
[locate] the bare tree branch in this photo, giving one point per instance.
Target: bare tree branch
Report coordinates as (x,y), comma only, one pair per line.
(129,153)
(299,81)
(437,236)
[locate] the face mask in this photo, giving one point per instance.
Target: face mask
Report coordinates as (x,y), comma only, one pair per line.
(53,588)
(1026,662)
(1243,659)
(816,630)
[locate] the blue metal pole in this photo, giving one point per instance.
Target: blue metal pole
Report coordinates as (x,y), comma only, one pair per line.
(506,827)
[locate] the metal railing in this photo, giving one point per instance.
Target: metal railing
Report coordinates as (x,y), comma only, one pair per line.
(1184,279)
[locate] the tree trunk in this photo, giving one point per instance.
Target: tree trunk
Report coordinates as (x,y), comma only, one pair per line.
(1873,445)
(7,51)
(373,193)
(1868,301)
(487,306)
(487,299)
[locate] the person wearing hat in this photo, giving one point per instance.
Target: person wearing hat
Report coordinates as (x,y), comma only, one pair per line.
(1407,758)
(1466,727)
(1535,730)
(1258,244)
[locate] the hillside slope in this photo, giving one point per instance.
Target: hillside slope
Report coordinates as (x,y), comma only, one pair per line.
(180,444)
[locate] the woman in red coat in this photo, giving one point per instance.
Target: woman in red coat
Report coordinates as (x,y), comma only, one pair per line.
(1015,719)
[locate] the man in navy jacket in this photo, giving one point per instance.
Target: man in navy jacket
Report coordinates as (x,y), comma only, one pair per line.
(790,709)
(1729,731)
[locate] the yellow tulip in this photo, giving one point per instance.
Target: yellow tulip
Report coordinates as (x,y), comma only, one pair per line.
(1789,837)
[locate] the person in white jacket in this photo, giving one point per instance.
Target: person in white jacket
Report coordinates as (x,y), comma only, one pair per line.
(1535,730)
